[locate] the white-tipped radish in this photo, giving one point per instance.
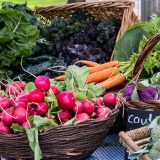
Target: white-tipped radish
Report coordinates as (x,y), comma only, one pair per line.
(102,112)
(82,117)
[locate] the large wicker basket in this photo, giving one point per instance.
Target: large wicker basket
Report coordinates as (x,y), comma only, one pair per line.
(153,105)
(136,140)
(121,9)
(60,143)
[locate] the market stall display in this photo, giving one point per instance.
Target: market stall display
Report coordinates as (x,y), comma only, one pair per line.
(67,74)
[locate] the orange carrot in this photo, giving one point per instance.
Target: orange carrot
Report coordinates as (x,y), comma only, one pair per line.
(60,78)
(101,75)
(89,63)
(104,66)
(113,81)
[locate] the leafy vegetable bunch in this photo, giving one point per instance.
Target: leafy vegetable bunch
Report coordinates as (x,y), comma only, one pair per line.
(131,44)
(17,38)
(143,90)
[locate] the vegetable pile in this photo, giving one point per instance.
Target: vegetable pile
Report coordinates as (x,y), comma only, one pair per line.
(43,104)
(63,42)
(105,75)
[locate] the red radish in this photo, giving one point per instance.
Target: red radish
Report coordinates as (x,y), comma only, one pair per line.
(22,96)
(88,106)
(82,117)
(97,106)
(110,99)
(20,103)
(13,90)
(102,112)
(55,90)
(78,108)
(36,95)
(20,115)
(5,103)
(26,125)
(32,110)
(66,100)
(7,116)
(42,83)
(42,108)
(65,115)
(99,101)
(19,84)
(4,129)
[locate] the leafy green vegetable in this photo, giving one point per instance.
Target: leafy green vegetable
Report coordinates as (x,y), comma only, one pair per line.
(30,15)
(17,38)
(128,44)
(30,86)
(17,128)
(131,44)
(155,80)
(32,135)
(76,82)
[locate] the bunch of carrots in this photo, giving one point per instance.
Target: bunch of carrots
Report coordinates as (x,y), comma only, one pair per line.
(106,75)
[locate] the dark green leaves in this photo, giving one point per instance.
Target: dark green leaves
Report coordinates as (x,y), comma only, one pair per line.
(17,37)
(31,17)
(129,43)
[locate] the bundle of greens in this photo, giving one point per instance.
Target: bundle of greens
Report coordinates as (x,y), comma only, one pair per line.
(131,44)
(17,38)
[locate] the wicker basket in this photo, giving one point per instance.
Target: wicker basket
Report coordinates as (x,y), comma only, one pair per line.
(100,10)
(147,105)
(60,143)
(136,140)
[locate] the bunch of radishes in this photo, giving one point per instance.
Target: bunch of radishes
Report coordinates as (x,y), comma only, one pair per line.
(17,106)
(99,107)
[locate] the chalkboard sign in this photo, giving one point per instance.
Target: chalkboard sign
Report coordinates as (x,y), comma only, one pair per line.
(139,118)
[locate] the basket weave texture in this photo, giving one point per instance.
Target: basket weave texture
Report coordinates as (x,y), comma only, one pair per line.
(137,70)
(136,140)
(100,10)
(60,143)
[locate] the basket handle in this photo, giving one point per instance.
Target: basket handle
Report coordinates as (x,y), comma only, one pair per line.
(143,56)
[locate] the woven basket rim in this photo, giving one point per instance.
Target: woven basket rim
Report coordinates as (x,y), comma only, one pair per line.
(92,3)
(70,126)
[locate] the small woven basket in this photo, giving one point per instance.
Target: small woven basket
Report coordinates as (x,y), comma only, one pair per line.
(72,142)
(136,140)
(153,105)
(100,10)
